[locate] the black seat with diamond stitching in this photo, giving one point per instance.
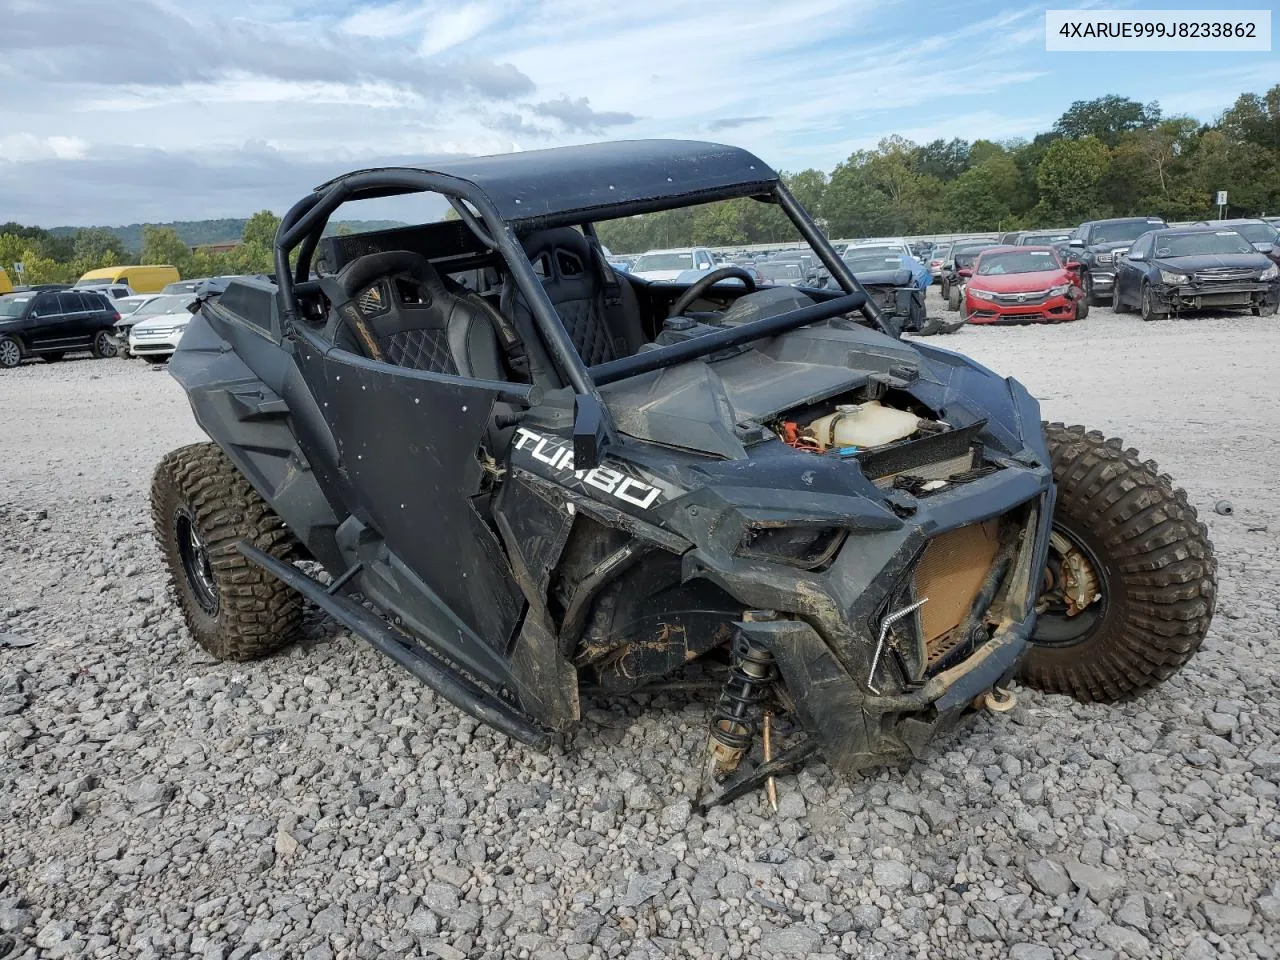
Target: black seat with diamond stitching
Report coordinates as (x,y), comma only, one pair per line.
(395,307)
(597,308)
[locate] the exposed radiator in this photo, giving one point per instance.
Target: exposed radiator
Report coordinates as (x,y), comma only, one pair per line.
(950,573)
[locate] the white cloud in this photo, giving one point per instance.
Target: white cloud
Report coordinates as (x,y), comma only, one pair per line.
(27,147)
(209,104)
(389,20)
(457,25)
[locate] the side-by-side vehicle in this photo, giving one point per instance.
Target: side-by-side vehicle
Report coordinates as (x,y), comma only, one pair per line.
(530,478)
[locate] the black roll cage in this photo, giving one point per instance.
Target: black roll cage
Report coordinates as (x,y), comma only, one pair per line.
(303,226)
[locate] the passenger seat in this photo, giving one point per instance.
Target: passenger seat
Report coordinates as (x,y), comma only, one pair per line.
(597,307)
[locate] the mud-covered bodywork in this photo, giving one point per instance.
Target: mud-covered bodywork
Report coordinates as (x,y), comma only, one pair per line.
(539,528)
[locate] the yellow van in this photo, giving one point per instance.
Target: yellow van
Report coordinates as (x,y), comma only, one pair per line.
(140,279)
(5,285)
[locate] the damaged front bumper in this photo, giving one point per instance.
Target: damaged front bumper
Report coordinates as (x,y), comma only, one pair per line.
(856,674)
(1199,296)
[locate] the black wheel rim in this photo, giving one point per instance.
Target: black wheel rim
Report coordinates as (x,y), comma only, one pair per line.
(10,355)
(195,562)
(1055,627)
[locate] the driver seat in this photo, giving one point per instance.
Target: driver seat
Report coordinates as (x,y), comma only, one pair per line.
(597,307)
(395,307)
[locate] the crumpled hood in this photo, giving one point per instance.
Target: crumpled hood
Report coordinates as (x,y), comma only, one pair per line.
(701,406)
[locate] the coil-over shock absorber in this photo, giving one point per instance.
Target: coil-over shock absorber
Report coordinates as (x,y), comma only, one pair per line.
(734,724)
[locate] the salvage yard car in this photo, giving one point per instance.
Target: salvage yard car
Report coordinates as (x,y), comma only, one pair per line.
(587,482)
(157,328)
(1264,237)
(51,324)
(1097,244)
(1017,284)
(127,307)
(1190,268)
(668,264)
(959,267)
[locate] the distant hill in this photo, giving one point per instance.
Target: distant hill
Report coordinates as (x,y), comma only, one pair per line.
(197,233)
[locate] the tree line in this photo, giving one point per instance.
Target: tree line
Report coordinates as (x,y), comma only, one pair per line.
(1109,157)
(59,257)
(1106,157)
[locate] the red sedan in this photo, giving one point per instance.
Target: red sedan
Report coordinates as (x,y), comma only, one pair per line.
(1024,285)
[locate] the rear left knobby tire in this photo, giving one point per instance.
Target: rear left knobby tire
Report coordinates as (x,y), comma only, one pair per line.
(201,507)
(1155,570)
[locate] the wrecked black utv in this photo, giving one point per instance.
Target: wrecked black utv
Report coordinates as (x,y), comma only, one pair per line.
(527,475)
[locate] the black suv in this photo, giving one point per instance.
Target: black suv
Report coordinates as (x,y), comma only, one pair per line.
(49,324)
(1097,244)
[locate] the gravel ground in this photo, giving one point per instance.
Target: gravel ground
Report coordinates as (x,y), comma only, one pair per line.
(322,804)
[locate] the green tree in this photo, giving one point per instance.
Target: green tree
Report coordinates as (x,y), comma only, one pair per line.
(1106,118)
(163,245)
(38,268)
(261,229)
(1068,177)
(982,197)
(944,159)
(1255,119)
(808,186)
(93,244)
(984,150)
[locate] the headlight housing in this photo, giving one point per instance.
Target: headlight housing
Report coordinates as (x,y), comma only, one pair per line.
(1060,290)
(979,292)
(1167,277)
(805,547)
(1270,273)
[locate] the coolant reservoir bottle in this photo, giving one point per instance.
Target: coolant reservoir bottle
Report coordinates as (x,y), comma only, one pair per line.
(864,425)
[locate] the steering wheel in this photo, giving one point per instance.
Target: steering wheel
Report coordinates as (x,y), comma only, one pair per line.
(702,284)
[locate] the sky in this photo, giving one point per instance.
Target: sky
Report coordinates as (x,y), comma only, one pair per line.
(158,110)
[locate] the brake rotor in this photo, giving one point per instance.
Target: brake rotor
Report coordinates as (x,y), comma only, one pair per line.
(1074,579)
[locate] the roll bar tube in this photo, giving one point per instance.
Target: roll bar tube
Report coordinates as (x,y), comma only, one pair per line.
(307,219)
(647,360)
(820,245)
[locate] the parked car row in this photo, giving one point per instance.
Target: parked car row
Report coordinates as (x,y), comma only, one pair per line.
(103,317)
(1162,271)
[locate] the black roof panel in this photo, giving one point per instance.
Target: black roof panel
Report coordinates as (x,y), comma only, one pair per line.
(540,183)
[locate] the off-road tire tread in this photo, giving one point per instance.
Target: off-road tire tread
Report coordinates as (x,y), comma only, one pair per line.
(257,614)
(1158,549)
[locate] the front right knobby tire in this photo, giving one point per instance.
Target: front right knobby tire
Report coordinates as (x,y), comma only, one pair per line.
(201,507)
(1157,572)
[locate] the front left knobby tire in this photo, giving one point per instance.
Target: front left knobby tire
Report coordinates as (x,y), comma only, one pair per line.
(201,507)
(1152,568)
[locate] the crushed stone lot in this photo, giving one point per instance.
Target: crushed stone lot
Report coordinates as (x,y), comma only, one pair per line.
(322,804)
